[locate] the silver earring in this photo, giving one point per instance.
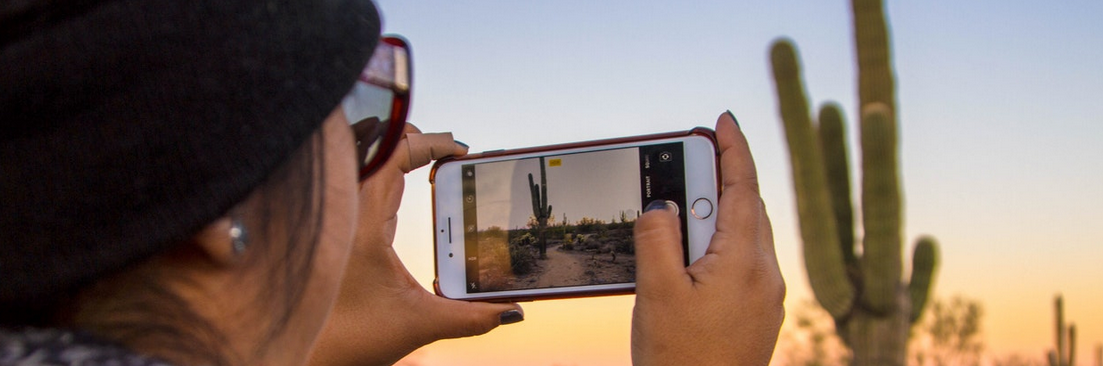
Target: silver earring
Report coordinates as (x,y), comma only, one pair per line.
(238,237)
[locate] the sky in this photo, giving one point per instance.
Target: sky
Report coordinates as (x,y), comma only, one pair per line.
(999,106)
(505,200)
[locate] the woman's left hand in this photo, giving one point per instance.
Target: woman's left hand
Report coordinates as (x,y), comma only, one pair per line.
(382,313)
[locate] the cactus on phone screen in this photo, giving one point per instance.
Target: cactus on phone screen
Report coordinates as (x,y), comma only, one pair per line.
(540,208)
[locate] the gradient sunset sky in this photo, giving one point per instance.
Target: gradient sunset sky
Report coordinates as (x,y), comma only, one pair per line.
(1001,114)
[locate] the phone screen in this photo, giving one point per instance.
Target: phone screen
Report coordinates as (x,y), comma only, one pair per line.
(564,220)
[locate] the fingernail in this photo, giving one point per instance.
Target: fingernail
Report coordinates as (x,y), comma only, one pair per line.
(729,112)
(511,316)
(462,144)
(655,205)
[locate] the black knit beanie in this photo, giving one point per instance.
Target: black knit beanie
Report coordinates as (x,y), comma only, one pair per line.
(128,125)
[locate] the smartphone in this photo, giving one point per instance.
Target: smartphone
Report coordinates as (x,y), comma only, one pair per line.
(556,221)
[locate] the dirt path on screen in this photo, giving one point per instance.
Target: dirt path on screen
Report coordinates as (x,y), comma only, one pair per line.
(560,269)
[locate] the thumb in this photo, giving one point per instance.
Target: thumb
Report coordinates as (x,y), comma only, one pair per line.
(455,318)
(658,240)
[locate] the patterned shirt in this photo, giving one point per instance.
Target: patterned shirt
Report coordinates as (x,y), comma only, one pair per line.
(56,347)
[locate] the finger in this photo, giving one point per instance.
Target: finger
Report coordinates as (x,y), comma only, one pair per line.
(422,148)
(767,241)
(766,235)
(739,169)
(739,212)
(658,241)
(455,318)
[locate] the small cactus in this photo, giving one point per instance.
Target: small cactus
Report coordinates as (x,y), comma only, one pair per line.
(540,208)
(1065,354)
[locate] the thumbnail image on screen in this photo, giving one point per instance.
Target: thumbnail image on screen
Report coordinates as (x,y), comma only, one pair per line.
(563,220)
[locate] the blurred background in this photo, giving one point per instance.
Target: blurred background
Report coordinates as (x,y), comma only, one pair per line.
(1000,121)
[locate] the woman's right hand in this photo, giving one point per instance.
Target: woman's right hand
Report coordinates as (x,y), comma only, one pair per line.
(382,313)
(726,307)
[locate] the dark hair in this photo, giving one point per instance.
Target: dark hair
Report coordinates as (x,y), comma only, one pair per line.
(288,204)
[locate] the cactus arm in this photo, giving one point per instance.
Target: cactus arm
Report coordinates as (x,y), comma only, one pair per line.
(534,192)
(1060,309)
(881,262)
(833,141)
(881,259)
(924,266)
(1072,344)
(875,76)
(822,257)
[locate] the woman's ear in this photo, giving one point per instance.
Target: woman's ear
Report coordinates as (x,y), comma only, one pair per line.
(222,241)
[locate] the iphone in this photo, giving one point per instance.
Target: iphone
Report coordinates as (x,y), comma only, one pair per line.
(556,221)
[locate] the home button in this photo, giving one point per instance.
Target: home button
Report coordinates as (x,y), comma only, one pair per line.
(702,208)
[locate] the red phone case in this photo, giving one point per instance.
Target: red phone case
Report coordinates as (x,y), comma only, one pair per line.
(701,131)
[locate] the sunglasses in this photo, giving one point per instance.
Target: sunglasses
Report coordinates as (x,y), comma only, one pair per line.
(377,106)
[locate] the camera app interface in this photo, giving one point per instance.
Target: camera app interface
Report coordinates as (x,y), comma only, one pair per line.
(564,220)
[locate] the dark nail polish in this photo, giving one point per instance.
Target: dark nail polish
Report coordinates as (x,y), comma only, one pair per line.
(511,316)
(729,112)
(655,205)
(462,144)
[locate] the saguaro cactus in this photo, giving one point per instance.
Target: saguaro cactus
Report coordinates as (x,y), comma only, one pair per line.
(873,309)
(540,208)
(1065,354)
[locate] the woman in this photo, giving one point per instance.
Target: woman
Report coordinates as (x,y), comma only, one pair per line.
(179,185)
